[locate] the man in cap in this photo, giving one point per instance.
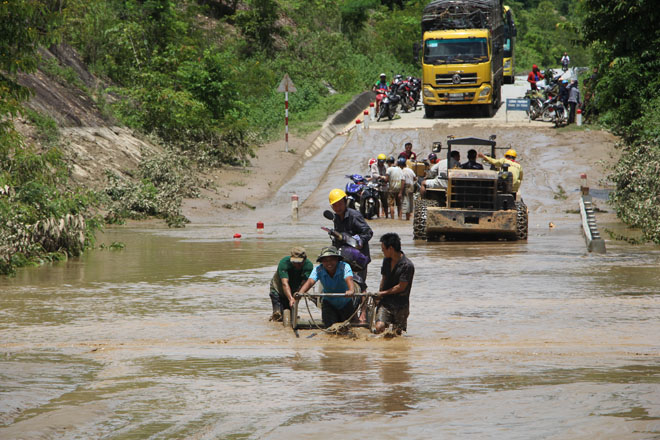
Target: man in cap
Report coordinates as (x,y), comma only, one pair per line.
(397,274)
(336,276)
(350,221)
(292,271)
(514,167)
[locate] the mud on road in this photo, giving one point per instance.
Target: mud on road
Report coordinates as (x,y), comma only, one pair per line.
(170,337)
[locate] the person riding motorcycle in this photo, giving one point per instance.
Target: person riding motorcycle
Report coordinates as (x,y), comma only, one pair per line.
(534,76)
(381,87)
(382,83)
(351,221)
(565,61)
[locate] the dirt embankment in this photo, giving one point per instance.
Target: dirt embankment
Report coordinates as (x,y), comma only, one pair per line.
(93,143)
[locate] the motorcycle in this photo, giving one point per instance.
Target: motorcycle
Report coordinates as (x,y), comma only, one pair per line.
(564,65)
(370,200)
(554,111)
(535,103)
(388,105)
(380,95)
(415,90)
(354,189)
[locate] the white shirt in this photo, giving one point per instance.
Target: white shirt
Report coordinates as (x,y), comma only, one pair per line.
(394,175)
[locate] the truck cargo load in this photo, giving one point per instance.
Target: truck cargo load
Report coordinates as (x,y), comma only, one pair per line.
(462,14)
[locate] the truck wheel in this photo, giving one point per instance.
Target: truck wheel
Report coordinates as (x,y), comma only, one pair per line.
(429,112)
(521,220)
(419,216)
(487,110)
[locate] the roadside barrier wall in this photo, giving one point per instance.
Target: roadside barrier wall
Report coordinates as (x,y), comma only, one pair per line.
(338,121)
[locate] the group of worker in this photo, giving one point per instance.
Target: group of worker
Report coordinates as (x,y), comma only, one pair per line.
(396,182)
(569,93)
(296,275)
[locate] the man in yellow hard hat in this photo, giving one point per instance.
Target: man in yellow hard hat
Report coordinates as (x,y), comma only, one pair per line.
(350,221)
(379,175)
(514,167)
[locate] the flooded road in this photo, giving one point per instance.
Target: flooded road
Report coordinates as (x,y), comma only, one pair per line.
(169,338)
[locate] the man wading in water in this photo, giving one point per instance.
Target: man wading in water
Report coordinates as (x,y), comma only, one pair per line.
(336,276)
(291,273)
(394,294)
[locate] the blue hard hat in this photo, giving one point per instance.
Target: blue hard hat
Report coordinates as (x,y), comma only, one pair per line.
(401,160)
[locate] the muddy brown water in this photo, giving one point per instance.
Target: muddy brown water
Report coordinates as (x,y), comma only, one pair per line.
(169,338)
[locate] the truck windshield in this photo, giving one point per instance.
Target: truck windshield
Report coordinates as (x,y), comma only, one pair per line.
(460,50)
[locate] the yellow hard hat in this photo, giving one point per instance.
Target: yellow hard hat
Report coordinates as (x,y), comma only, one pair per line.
(511,153)
(381,156)
(336,195)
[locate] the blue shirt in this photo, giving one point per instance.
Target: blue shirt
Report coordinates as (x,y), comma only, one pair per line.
(336,284)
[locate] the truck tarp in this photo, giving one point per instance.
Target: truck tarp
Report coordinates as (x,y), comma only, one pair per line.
(462,14)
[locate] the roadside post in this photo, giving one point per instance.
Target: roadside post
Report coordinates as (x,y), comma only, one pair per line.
(372,110)
(358,124)
(366,119)
(286,86)
(517,104)
(294,207)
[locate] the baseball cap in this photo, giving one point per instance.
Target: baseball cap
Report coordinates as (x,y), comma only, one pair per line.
(298,254)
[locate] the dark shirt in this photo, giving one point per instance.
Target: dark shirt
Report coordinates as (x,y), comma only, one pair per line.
(354,224)
(296,277)
(411,156)
(472,166)
(404,270)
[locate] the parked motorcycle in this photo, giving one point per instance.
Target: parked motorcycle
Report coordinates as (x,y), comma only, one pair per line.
(535,103)
(370,200)
(554,111)
(354,189)
(415,90)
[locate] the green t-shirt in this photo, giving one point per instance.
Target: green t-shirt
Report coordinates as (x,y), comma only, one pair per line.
(286,269)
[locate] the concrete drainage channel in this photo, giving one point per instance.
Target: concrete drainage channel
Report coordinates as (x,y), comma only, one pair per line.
(337,122)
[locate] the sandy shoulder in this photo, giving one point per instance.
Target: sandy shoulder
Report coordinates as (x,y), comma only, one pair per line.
(238,189)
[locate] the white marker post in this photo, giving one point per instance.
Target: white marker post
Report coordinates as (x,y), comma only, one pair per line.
(286,86)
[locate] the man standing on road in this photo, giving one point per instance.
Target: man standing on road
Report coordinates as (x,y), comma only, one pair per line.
(379,175)
(408,187)
(290,275)
(573,100)
(534,76)
(336,276)
(350,221)
(397,274)
(510,160)
(394,181)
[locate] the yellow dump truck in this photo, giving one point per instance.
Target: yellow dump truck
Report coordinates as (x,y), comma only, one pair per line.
(462,54)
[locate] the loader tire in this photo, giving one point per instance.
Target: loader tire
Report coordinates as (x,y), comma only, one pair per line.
(419,216)
(522,220)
